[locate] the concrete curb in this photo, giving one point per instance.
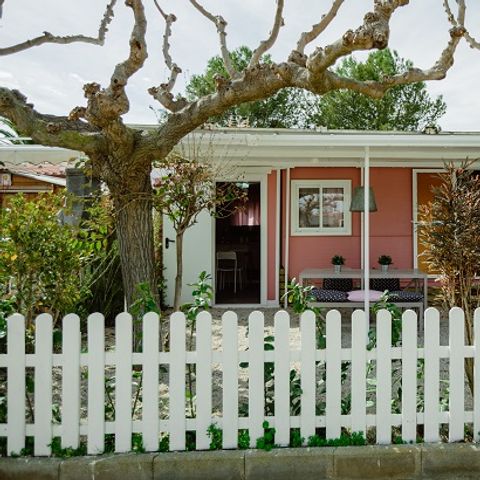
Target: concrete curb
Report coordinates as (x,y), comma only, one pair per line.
(393,462)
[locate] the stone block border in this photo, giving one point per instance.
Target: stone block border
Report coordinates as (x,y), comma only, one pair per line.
(393,462)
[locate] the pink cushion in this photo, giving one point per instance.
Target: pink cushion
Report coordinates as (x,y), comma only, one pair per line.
(359,295)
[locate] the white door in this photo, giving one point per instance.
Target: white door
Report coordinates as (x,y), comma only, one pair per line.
(197,255)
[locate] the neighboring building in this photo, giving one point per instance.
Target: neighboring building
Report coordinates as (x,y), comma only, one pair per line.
(30,181)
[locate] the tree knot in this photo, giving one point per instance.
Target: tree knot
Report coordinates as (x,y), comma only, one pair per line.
(91,89)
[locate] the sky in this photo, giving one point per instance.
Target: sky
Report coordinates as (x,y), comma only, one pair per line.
(52,76)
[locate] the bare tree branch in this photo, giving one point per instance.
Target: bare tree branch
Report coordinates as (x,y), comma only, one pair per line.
(377,89)
(49,129)
(265,45)
(317,29)
(47,37)
(460,21)
(138,48)
(374,33)
(173,67)
(221,25)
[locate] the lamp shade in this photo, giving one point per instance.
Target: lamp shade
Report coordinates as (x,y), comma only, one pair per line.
(358,202)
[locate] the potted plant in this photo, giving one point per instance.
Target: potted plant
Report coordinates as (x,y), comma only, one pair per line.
(337,262)
(385,261)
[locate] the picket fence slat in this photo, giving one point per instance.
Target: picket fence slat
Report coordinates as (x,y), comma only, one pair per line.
(43,384)
(16,384)
(230,379)
(333,382)
(282,376)
(256,393)
(307,375)
(150,368)
(476,377)
(457,376)
(409,376)
(204,379)
(177,382)
(392,362)
(71,343)
(359,371)
(123,383)
(384,377)
(96,384)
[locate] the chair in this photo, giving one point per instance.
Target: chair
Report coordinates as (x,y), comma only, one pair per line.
(227,264)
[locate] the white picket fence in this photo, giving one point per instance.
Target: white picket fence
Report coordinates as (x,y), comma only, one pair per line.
(151,426)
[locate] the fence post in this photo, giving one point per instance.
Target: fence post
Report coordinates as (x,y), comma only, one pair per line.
(150,370)
(384,377)
(307,374)
(409,376)
(15,383)
(333,384)
(230,379)
(282,379)
(71,381)
(256,392)
(456,402)
(431,394)
(177,424)
(96,384)
(359,372)
(476,380)
(43,384)
(204,379)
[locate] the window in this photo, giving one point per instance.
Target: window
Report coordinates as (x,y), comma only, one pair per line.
(321,207)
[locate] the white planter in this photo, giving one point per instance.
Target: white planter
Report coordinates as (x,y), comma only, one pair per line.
(384,268)
(337,268)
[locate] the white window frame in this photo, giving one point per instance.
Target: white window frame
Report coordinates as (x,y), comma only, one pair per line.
(296,230)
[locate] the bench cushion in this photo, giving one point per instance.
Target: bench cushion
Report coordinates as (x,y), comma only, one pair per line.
(382,284)
(359,295)
(324,295)
(405,296)
(339,284)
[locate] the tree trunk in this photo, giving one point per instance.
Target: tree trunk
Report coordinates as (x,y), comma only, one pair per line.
(179,276)
(134,228)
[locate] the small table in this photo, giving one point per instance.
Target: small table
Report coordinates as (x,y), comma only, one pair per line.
(321,273)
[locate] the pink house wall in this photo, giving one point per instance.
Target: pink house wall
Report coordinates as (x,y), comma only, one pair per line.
(390,226)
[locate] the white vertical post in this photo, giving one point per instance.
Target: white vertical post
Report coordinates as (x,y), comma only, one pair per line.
(256,392)
(230,379)
(177,423)
(151,335)
(476,378)
(282,379)
(307,374)
(71,382)
(384,377)
(409,376)
(204,379)
(123,382)
(43,384)
(278,233)
(359,372)
(334,363)
(96,384)
(456,402)
(431,331)
(366,233)
(287,233)
(16,383)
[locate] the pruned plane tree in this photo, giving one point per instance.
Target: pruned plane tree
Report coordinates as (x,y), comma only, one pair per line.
(122,157)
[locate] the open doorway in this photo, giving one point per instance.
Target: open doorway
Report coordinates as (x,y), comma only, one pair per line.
(237,252)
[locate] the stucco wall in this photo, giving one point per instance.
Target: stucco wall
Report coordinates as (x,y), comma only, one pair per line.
(391,225)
